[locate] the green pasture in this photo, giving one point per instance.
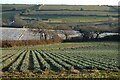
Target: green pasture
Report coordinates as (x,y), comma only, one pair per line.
(101,13)
(17,6)
(9,15)
(74,7)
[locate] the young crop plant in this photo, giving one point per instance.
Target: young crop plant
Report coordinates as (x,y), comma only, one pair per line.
(11,59)
(67,66)
(25,63)
(14,66)
(45,65)
(51,61)
(36,63)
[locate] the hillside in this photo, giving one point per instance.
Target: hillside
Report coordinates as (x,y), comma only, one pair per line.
(59,41)
(86,19)
(72,16)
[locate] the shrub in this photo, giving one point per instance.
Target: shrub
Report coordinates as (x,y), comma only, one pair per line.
(14,43)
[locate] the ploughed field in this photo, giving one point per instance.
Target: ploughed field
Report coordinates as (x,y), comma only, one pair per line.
(82,56)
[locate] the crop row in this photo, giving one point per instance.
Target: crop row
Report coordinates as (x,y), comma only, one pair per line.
(42,60)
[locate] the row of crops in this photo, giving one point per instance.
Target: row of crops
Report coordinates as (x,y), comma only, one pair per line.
(57,60)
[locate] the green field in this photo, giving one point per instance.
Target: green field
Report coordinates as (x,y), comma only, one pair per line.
(66,59)
(62,60)
(17,6)
(75,7)
(63,13)
(9,15)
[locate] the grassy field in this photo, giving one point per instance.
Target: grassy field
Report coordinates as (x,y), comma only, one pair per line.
(10,15)
(10,10)
(69,16)
(98,13)
(59,14)
(74,7)
(62,13)
(62,60)
(17,6)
